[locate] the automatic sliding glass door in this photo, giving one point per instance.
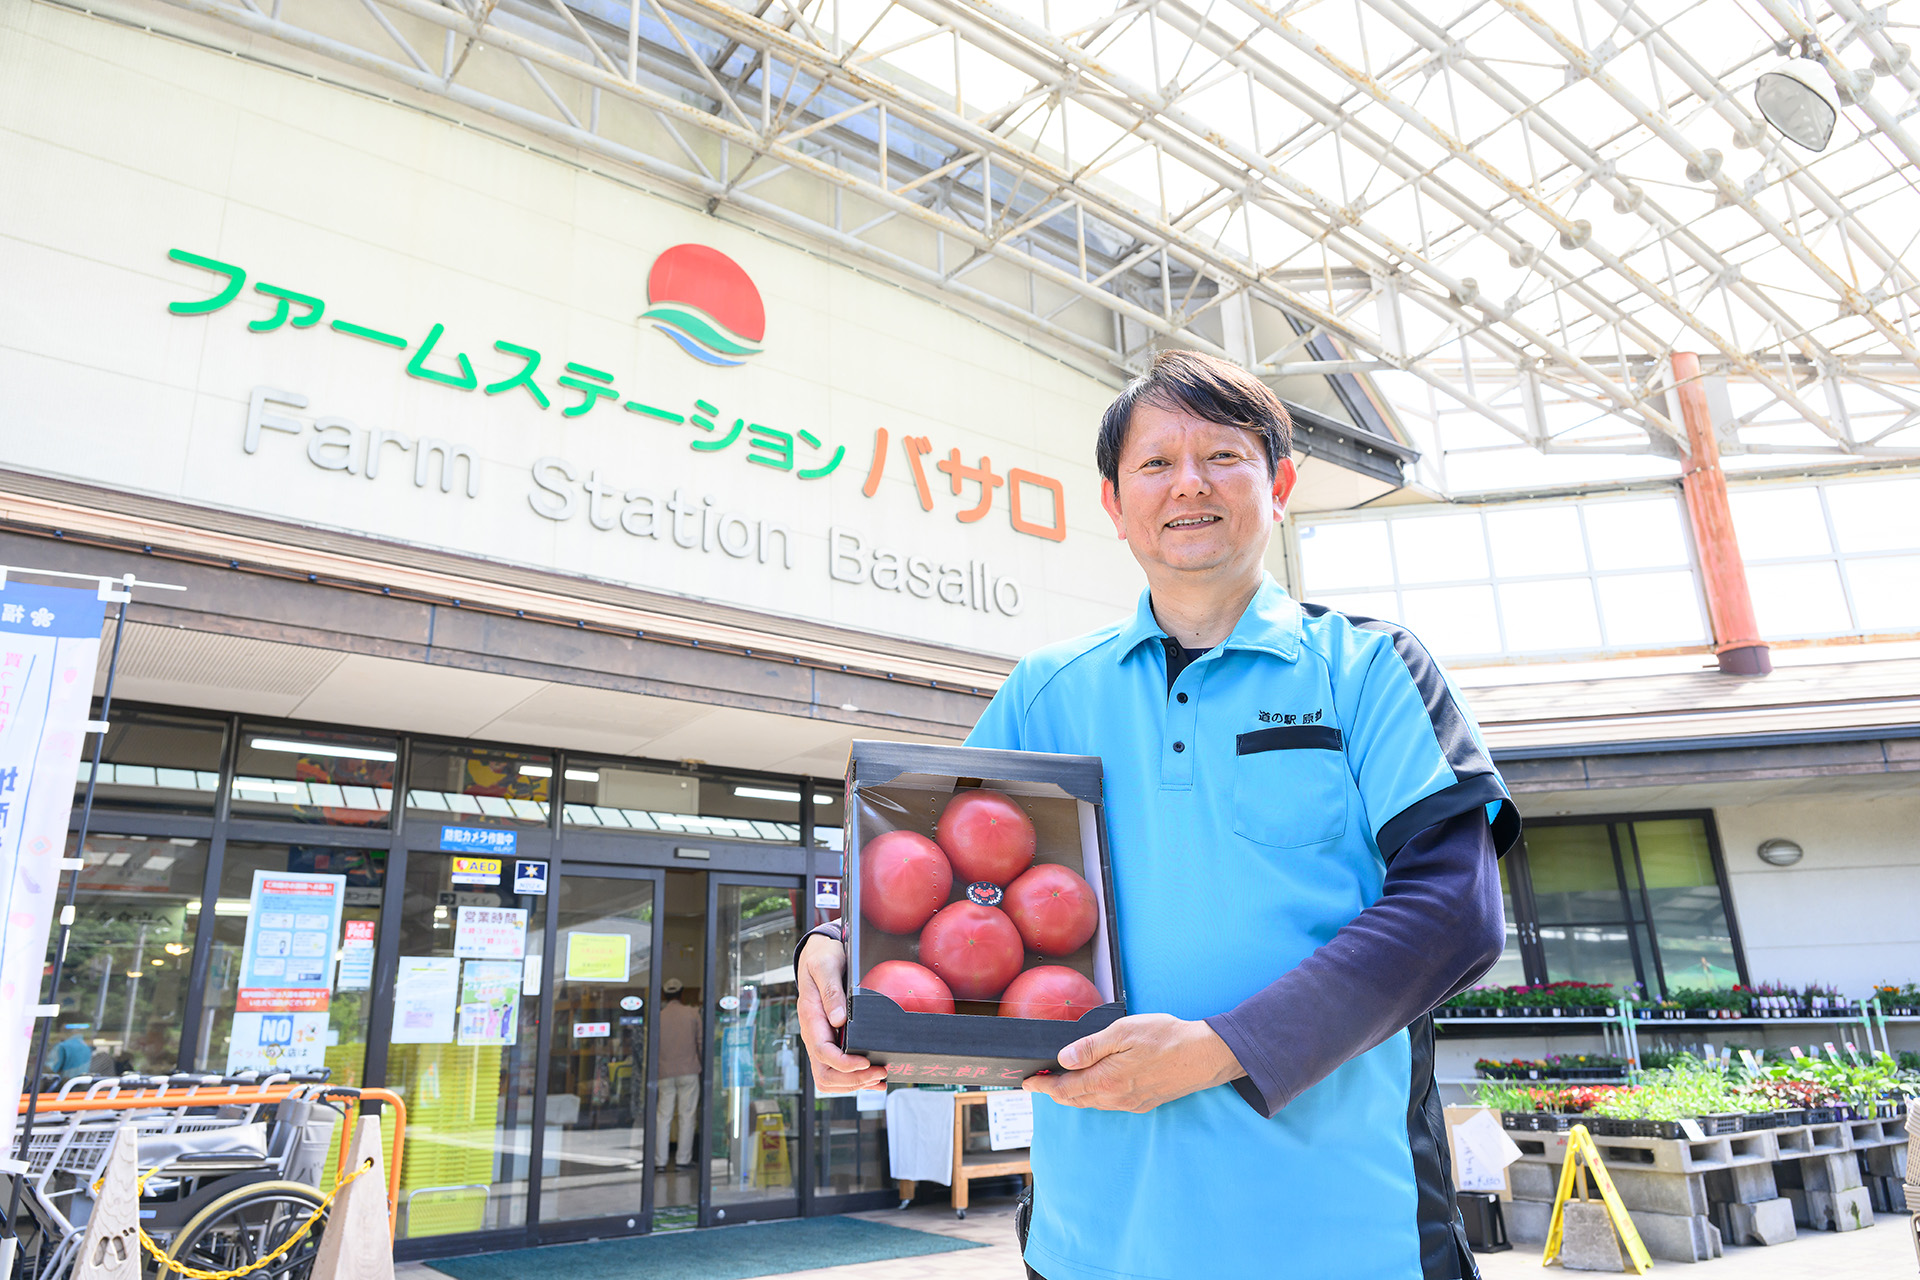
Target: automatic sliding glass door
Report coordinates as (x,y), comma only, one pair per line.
(594,1165)
(753,1043)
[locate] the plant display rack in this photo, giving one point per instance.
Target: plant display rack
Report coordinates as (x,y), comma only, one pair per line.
(1621,1025)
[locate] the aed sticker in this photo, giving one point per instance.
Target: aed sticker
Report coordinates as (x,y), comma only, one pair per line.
(631,1003)
(592,1030)
(476,871)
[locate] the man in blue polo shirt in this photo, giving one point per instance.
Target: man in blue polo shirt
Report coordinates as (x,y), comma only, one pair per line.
(1305,829)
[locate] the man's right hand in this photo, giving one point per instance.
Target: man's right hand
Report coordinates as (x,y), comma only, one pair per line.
(823,1008)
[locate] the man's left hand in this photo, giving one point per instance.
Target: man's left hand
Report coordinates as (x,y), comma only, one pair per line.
(1138,1063)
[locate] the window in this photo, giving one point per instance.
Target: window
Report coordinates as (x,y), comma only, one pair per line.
(156,761)
(1528,578)
(344,1039)
(829,816)
(626,796)
(1625,901)
(1837,558)
(124,993)
(480,784)
(315,776)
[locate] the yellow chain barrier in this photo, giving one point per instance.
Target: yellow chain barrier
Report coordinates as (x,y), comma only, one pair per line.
(200,1273)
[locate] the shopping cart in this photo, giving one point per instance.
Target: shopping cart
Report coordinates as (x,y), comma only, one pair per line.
(232,1167)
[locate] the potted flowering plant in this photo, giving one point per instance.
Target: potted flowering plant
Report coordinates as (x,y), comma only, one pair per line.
(1479,1002)
(1539,1108)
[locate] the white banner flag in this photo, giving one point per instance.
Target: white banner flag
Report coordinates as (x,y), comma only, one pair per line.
(49,651)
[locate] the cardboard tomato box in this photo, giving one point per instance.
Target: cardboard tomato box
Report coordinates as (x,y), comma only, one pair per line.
(1004,914)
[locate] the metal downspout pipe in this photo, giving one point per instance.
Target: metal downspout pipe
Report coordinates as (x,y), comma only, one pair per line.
(1736,632)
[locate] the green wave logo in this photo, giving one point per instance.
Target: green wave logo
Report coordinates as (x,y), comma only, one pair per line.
(699,335)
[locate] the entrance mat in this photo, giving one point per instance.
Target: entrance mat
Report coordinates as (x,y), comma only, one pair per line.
(722,1253)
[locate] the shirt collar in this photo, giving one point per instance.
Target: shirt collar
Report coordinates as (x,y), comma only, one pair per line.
(1271,624)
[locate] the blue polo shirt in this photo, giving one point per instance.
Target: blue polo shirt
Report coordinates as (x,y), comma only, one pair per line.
(1251,808)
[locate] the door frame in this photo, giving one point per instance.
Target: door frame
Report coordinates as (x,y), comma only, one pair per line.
(539,1230)
(800,1201)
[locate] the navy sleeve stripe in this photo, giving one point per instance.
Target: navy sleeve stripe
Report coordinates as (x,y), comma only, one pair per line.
(1463,796)
(1450,730)
(1322,737)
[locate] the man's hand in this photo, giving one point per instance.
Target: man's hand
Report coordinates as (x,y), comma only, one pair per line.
(823,1007)
(1138,1063)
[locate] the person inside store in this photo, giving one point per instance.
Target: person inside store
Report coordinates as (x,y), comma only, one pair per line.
(682,1035)
(72,1057)
(1305,830)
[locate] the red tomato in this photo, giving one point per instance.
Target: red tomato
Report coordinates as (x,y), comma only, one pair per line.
(988,836)
(975,949)
(904,879)
(913,987)
(1050,991)
(1053,909)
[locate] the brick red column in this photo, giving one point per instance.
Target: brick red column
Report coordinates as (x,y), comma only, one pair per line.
(1736,635)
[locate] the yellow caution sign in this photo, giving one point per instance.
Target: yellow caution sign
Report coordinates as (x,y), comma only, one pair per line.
(770,1131)
(1581,1151)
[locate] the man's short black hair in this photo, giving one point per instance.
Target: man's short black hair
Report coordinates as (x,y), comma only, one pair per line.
(1207,387)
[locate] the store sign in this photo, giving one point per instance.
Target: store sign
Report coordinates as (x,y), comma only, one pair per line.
(286,972)
(477,840)
(49,651)
(712,310)
(356,955)
(490,933)
(489,1002)
(597,957)
(426,992)
(476,871)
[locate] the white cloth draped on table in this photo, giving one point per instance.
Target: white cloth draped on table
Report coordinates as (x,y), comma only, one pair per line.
(920,1135)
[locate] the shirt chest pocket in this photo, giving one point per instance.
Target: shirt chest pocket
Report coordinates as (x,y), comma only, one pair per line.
(1290,785)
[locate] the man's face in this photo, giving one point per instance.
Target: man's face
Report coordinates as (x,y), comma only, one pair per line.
(1194,499)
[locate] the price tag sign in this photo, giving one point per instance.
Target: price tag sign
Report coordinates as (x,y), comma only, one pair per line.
(1009,1120)
(1485,1151)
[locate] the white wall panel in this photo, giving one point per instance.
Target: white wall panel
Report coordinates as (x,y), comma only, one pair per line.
(1844,913)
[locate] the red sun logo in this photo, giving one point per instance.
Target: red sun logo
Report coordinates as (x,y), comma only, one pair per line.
(706,303)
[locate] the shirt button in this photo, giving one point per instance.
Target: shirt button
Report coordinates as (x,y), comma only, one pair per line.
(1180,697)
(1179,746)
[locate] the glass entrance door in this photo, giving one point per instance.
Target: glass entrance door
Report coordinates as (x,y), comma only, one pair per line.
(752,1134)
(594,1163)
